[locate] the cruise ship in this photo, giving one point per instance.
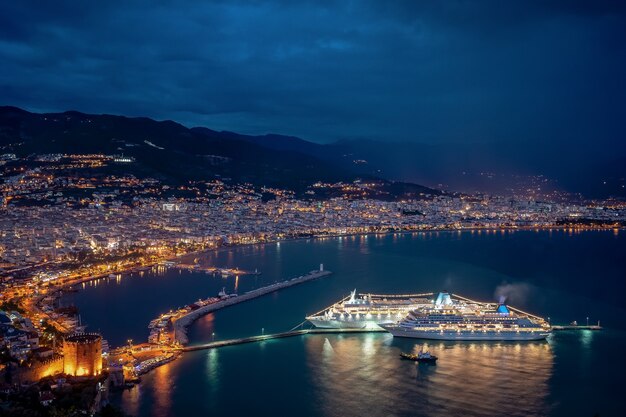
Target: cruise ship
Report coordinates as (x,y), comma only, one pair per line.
(369,311)
(451,317)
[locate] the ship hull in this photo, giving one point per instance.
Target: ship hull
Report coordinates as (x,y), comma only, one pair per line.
(349,324)
(453,335)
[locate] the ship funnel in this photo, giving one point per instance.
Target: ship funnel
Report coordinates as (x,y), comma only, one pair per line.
(443,299)
(503,309)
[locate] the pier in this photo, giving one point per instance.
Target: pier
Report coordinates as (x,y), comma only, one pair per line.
(181,322)
(261,338)
(577,327)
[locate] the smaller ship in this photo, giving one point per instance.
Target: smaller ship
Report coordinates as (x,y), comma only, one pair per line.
(223,295)
(422,357)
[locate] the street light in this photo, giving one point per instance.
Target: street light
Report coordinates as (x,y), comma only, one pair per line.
(212,336)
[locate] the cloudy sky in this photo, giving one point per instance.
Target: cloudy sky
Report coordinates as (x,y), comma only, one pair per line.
(434,72)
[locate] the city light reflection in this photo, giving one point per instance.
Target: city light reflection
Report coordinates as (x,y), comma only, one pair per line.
(496,378)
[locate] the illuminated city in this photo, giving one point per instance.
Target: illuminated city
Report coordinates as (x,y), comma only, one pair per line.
(164,253)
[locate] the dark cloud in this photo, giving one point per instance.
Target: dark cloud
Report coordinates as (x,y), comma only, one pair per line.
(440,71)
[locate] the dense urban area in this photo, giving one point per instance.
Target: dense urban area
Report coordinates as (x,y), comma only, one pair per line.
(65,219)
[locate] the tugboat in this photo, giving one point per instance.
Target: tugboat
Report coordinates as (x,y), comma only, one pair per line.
(422,357)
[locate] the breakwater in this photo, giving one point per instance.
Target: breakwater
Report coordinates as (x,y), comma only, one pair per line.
(261,338)
(182,322)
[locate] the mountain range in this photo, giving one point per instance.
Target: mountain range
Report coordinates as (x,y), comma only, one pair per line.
(176,154)
(173,152)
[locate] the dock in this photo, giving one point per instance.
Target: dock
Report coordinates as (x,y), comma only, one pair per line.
(283,335)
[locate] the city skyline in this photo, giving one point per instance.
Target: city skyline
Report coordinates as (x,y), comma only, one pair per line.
(315,208)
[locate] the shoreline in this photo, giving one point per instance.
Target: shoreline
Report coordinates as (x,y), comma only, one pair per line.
(57,290)
(181,325)
(123,271)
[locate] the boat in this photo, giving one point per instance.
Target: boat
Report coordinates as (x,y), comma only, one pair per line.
(452,317)
(368,311)
(223,295)
(422,357)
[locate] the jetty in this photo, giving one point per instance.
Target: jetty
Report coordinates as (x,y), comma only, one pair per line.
(261,338)
(181,322)
(577,327)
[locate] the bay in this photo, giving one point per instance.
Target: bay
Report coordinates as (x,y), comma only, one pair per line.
(558,274)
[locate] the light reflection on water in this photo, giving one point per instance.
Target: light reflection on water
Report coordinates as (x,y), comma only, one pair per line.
(356,375)
(364,373)
(162,388)
(585,337)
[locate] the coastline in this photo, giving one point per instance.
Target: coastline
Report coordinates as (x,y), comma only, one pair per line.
(185,322)
(226,247)
(57,290)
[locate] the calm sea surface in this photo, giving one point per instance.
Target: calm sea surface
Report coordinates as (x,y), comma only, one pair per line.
(556,274)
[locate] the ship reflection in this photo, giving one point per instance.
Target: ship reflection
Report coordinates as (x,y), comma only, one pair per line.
(365,373)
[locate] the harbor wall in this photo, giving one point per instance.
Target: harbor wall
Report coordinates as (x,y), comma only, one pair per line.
(182,323)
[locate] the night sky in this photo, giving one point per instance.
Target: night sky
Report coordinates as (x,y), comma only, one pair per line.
(433,72)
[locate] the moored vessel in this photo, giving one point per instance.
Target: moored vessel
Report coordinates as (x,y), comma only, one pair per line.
(368,311)
(451,317)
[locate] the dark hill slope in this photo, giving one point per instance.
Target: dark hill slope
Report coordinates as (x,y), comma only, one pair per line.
(174,153)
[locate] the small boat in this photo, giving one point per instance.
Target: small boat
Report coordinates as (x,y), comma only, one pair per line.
(422,357)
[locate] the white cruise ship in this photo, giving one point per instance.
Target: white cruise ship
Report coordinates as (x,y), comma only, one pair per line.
(451,317)
(369,311)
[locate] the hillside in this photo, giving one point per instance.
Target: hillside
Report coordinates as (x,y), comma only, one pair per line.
(175,154)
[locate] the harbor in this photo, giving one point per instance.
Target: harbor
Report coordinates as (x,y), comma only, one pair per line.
(331,358)
(168,332)
(359,314)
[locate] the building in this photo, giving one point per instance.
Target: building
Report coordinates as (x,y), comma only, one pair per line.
(82,354)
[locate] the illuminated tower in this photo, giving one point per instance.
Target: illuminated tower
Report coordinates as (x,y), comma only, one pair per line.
(82,354)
